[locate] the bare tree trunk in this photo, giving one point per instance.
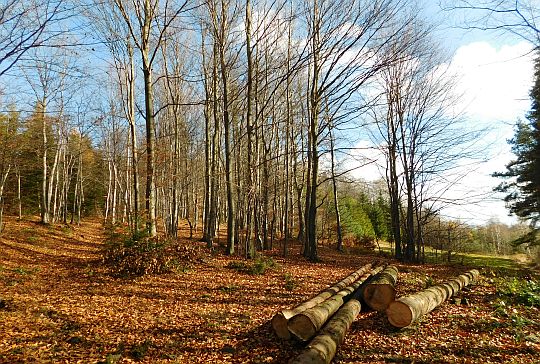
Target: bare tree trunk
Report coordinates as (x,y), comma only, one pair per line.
(79,196)
(19,200)
(133,137)
(3,179)
(231,214)
(313,152)
(150,195)
(52,184)
(298,185)
(45,213)
(207,145)
(250,247)
(287,142)
(392,180)
(335,193)
(213,223)
(109,189)
(114,192)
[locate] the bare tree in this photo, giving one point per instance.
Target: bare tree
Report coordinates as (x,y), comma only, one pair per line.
(518,17)
(347,49)
(26,25)
(108,23)
(148,22)
(423,138)
(47,74)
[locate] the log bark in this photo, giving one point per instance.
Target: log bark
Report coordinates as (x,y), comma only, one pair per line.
(322,349)
(407,309)
(380,291)
(281,319)
(305,325)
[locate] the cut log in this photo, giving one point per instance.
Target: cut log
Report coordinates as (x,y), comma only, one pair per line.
(405,310)
(322,349)
(305,325)
(281,319)
(380,290)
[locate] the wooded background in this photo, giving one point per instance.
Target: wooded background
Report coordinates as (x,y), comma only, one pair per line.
(237,116)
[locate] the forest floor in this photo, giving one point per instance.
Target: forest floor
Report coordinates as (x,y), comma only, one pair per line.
(59,304)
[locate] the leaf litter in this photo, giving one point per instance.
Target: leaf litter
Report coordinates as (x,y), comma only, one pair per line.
(61,305)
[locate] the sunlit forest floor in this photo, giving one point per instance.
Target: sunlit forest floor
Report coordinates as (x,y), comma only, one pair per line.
(59,304)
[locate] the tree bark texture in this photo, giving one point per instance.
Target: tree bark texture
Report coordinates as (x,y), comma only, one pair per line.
(323,347)
(380,291)
(406,310)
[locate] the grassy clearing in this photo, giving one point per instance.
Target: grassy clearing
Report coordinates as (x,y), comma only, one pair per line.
(513,264)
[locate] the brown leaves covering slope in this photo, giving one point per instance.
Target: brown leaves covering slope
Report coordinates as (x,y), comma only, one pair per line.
(60,305)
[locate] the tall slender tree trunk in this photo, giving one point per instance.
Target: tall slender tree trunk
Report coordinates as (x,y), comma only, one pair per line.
(150,196)
(231,213)
(133,137)
(207,146)
(392,179)
(408,175)
(298,185)
(45,213)
(287,206)
(335,194)
(250,246)
(3,179)
(313,152)
(213,223)
(19,200)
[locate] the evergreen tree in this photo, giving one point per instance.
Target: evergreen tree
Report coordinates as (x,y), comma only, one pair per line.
(355,218)
(379,215)
(523,173)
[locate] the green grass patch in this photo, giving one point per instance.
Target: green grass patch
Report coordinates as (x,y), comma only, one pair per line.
(520,291)
(489,261)
(502,264)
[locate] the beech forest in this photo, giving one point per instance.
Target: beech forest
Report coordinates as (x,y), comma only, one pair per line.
(259,181)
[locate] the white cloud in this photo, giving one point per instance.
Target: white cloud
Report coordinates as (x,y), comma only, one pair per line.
(495,84)
(494,81)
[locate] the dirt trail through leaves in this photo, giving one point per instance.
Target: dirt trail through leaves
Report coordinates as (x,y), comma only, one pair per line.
(60,305)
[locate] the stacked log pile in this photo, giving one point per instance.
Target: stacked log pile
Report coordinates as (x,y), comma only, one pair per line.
(325,319)
(323,347)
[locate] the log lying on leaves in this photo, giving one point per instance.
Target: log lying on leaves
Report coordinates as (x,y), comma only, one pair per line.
(380,291)
(405,310)
(281,319)
(305,324)
(323,347)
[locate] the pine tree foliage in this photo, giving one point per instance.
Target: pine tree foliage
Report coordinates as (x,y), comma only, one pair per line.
(522,187)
